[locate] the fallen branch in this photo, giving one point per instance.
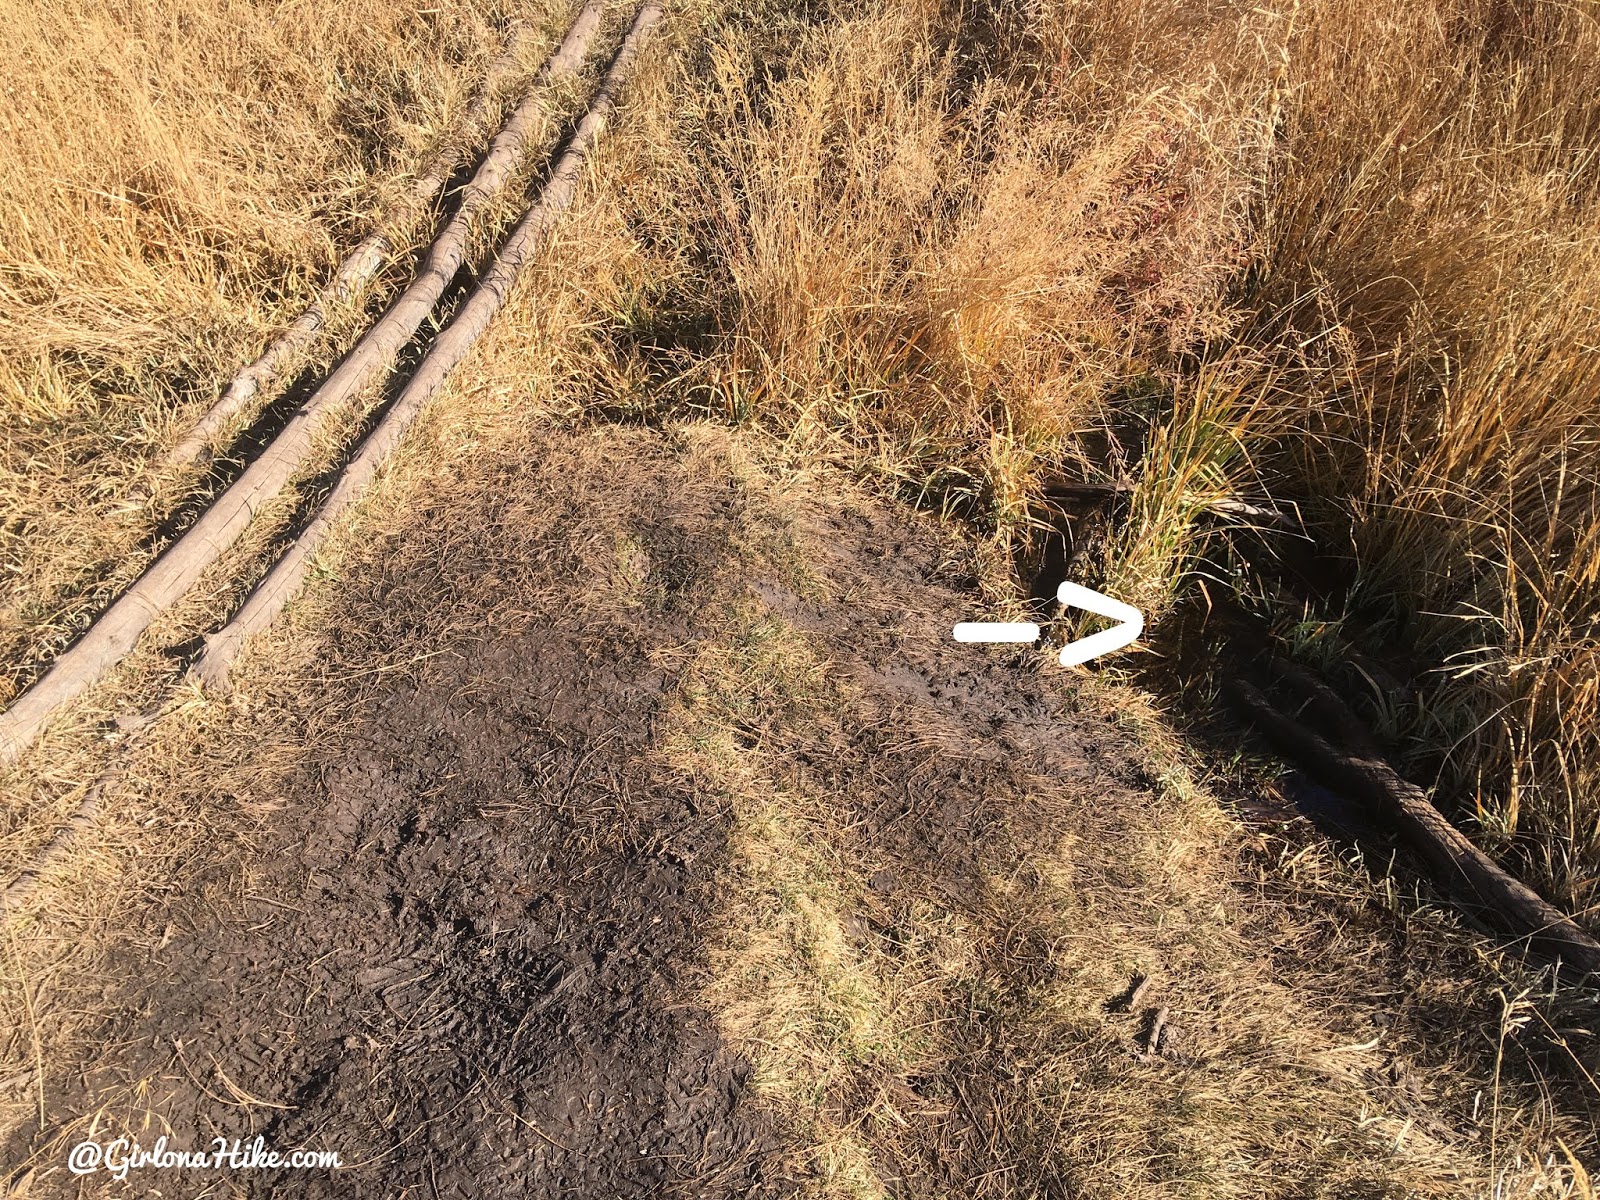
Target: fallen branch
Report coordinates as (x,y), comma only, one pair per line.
(1068,489)
(1249,510)
(1466,871)
(1138,992)
(1129,998)
(285,579)
(117,630)
(1351,735)
(1158,1026)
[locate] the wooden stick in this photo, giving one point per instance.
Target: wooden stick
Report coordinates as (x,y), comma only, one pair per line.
(117,630)
(285,579)
(1249,511)
(1138,992)
(1157,1025)
(1466,871)
(1352,734)
(1066,489)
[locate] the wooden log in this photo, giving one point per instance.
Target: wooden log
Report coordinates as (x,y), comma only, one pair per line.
(1350,734)
(1246,510)
(1469,874)
(1055,488)
(116,631)
(286,577)
(363,262)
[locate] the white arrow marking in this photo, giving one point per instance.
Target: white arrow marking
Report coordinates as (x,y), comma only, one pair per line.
(1081,651)
(1072,595)
(997,631)
(1074,653)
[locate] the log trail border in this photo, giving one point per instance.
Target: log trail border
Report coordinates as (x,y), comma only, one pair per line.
(359,266)
(281,584)
(116,631)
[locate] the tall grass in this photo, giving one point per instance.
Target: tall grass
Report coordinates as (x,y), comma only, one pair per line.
(931,256)
(1434,223)
(1324,252)
(1320,250)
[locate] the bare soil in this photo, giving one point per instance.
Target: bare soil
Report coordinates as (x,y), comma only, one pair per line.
(457,963)
(484,944)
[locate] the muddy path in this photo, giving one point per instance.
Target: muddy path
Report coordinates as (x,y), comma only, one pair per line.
(648,835)
(460,972)
(457,966)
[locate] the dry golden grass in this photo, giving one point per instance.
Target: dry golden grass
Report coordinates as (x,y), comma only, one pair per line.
(1432,238)
(923,946)
(178,183)
(1323,250)
(1318,251)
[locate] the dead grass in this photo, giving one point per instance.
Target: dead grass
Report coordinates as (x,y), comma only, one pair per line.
(926,941)
(1228,251)
(178,185)
(1451,398)
(1314,251)
(923,928)
(1322,251)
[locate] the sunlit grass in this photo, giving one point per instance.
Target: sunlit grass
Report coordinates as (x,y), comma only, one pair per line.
(1321,255)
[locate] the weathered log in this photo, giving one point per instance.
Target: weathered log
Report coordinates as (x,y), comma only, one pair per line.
(1351,736)
(1055,488)
(1469,874)
(115,632)
(285,579)
(1247,510)
(363,262)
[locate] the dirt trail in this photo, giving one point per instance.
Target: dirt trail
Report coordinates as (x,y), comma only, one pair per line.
(666,845)
(460,968)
